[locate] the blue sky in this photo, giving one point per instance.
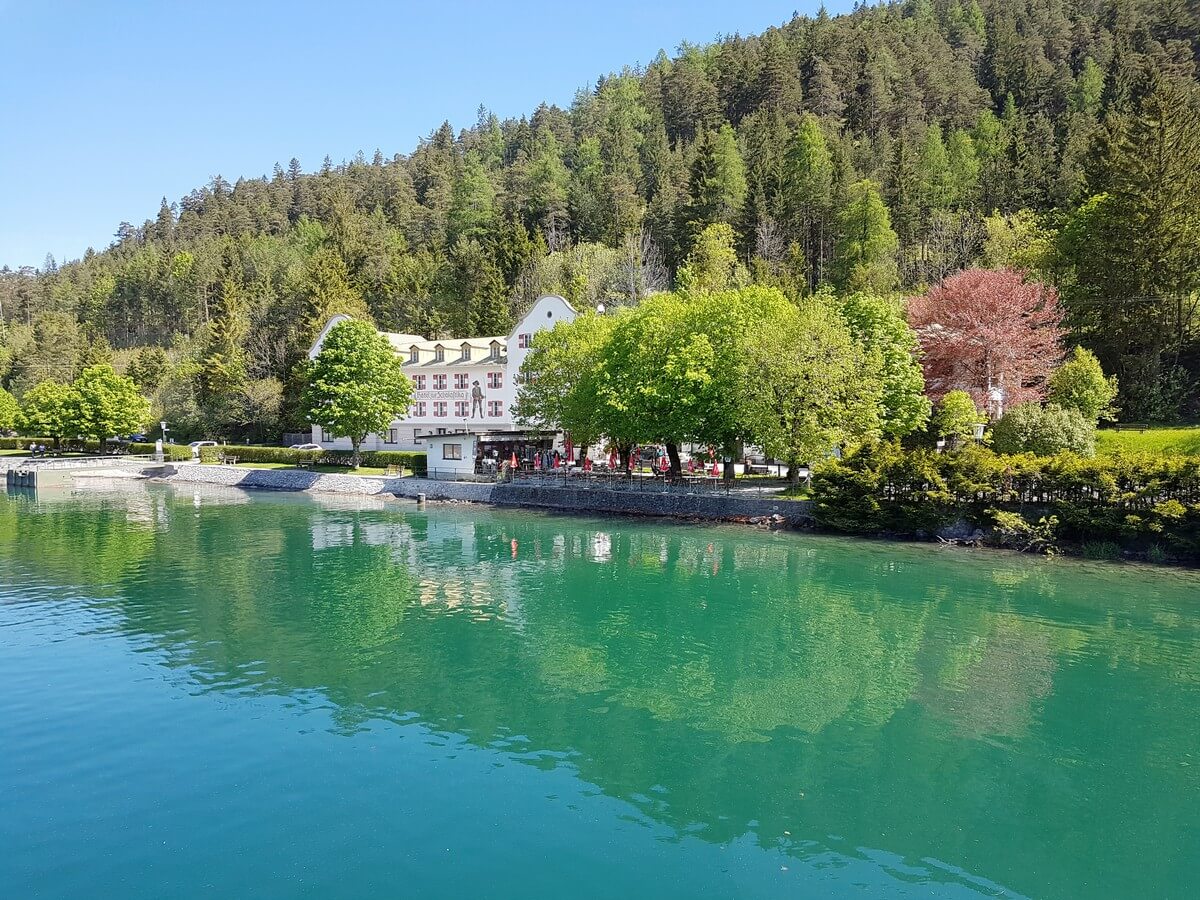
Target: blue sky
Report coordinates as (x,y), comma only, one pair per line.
(109,106)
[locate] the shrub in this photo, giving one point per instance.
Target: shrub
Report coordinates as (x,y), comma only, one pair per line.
(1136,502)
(413,461)
(1015,532)
(1044,430)
(172,452)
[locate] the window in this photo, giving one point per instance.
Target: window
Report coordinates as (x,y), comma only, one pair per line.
(466,353)
(391,437)
(419,382)
(460,381)
(460,409)
(326,436)
(523,341)
(495,380)
(420,413)
(414,355)
(495,408)
(451,451)
(495,349)
(439,382)
(439,353)
(439,409)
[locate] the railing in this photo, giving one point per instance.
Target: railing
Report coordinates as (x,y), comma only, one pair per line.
(453,475)
(89,462)
(650,484)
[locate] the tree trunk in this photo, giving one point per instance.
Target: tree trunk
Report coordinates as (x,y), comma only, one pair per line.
(728,472)
(356,454)
(673,455)
(626,453)
(793,474)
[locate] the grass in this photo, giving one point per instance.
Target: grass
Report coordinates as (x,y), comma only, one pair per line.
(1181,441)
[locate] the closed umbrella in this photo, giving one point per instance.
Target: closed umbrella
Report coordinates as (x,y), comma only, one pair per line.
(569,448)
(663,463)
(513,461)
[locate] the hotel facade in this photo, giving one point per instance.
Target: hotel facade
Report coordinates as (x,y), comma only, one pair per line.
(460,385)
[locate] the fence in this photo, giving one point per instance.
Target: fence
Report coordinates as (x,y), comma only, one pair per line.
(89,462)
(651,484)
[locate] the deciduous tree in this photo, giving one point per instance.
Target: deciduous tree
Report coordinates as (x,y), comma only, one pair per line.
(356,384)
(984,331)
(103,404)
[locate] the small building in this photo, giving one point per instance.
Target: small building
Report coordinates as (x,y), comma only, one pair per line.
(459,384)
(465,453)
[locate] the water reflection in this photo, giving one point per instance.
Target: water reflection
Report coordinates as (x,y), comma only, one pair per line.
(819,697)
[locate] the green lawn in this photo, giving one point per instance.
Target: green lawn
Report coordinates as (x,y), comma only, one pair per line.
(1183,441)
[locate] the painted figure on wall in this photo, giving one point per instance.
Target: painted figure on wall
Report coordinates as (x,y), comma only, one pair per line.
(476,399)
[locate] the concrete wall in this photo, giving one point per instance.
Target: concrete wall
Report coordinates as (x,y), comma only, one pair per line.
(567,499)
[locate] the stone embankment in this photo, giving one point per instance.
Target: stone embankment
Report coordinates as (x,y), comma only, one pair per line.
(765,510)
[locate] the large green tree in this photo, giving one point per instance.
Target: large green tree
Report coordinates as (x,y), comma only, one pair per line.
(356,384)
(561,379)
(45,411)
(815,391)
(894,352)
(103,404)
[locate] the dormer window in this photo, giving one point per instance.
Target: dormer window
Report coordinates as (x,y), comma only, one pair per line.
(414,355)
(439,353)
(495,349)
(466,352)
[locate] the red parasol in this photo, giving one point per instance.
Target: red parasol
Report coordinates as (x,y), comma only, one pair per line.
(537,460)
(663,463)
(514,459)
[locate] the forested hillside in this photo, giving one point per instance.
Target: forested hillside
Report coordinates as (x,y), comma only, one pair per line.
(883,149)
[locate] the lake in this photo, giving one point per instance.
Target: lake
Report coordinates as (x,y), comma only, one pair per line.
(208,693)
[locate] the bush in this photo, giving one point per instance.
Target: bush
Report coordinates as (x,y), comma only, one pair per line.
(1137,502)
(1044,430)
(171,452)
(414,461)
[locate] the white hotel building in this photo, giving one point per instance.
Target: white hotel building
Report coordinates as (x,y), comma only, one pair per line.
(460,384)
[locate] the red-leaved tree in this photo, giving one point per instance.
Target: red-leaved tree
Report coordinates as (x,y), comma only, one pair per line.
(985,331)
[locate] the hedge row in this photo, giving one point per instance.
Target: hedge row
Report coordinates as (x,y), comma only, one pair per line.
(172,452)
(1135,501)
(413,461)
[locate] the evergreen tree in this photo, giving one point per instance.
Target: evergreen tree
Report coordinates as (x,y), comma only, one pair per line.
(718,181)
(866,250)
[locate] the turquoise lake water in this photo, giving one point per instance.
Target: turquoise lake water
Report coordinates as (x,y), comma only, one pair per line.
(215,694)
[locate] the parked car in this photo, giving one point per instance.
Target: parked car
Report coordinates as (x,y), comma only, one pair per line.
(196,445)
(306,447)
(136,438)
